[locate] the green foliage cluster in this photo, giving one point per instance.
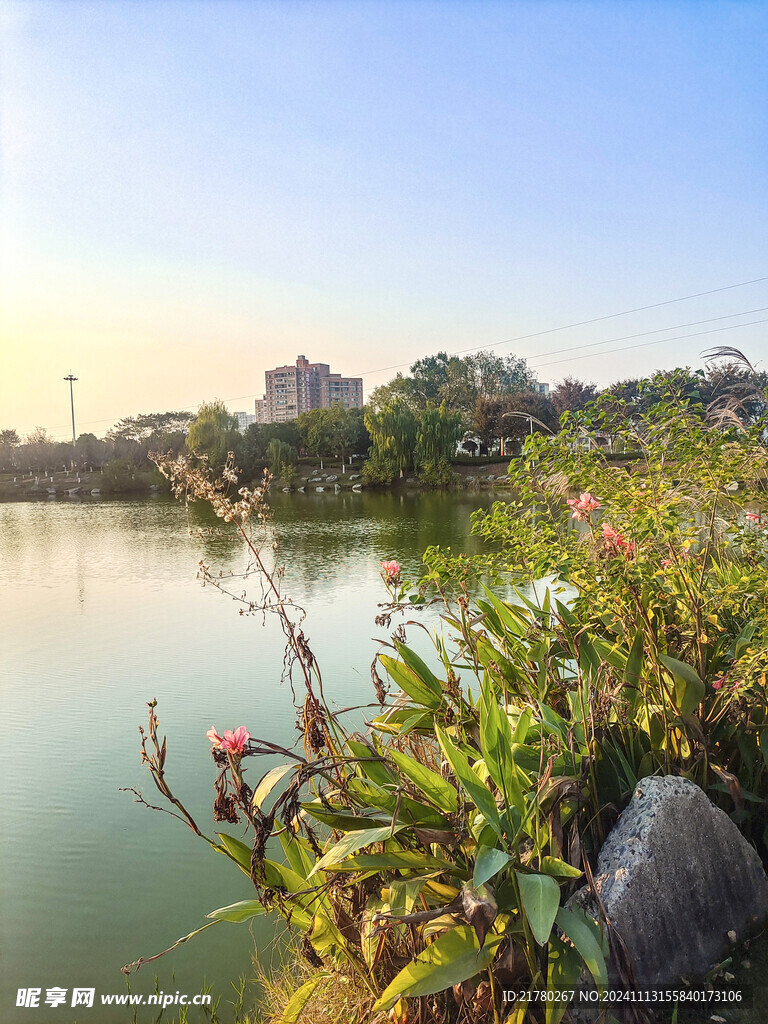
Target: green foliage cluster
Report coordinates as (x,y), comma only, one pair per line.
(430,857)
(213,432)
(403,440)
(667,571)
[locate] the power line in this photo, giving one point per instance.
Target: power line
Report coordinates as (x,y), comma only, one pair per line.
(565,327)
(659,341)
(581,323)
(659,330)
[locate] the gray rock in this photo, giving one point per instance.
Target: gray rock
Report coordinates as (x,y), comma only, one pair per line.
(331,479)
(676,876)
(354,476)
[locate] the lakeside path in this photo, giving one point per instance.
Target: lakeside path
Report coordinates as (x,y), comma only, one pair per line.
(310,477)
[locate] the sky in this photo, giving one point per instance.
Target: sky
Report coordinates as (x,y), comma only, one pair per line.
(194,192)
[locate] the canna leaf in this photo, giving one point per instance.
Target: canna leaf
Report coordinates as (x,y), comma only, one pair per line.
(245,910)
(689,689)
(236,851)
(584,934)
(558,868)
(419,668)
(351,843)
(434,787)
(564,971)
(268,783)
(477,791)
(410,683)
(540,895)
(451,959)
(488,862)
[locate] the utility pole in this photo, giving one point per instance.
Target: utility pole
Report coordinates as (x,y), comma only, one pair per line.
(71,380)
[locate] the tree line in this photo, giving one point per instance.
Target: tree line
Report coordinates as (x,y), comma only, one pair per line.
(414,423)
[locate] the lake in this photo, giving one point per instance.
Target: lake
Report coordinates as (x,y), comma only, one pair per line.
(99,613)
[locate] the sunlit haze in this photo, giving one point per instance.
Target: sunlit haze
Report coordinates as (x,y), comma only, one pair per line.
(193,193)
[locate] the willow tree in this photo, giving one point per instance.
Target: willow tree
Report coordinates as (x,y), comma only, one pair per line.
(438,434)
(213,433)
(393,431)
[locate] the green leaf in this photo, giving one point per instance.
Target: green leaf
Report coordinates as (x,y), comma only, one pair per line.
(634,664)
(584,934)
(517,625)
(558,868)
(396,860)
(268,783)
(564,971)
(245,910)
(410,683)
(300,999)
(420,669)
(689,689)
(375,770)
(496,745)
(236,851)
(351,843)
(488,862)
(522,726)
(541,898)
(340,819)
(478,792)
(403,893)
(324,935)
(434,787)
(451,959)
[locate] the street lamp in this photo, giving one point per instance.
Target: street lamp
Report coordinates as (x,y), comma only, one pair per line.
(71,380)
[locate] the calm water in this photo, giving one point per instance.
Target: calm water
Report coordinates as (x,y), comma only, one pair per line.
(100,612)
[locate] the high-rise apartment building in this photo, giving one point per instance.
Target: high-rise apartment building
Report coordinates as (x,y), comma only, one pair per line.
(291,390)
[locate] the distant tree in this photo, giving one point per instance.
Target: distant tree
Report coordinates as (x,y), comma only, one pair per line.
(333,432)
(281,457)
(438,434)
(498,375)
(145,425)
(513,417)
(91,452)
(213,433)
(254,442)
(393,432)
(456,380)
(9,442)
(38,452)
(399,389)
(572,394)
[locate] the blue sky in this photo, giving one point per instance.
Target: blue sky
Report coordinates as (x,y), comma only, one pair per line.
(195,192)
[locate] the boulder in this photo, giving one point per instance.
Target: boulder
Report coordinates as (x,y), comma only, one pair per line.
(678,881)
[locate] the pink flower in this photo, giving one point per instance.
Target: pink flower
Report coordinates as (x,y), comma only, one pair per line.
(718,684)
(390,571)
(666,563)
(234,742)
(616,542)
(754,518)
(214,737)
(583,505)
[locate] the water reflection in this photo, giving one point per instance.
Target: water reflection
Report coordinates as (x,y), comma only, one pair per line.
(100,612)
